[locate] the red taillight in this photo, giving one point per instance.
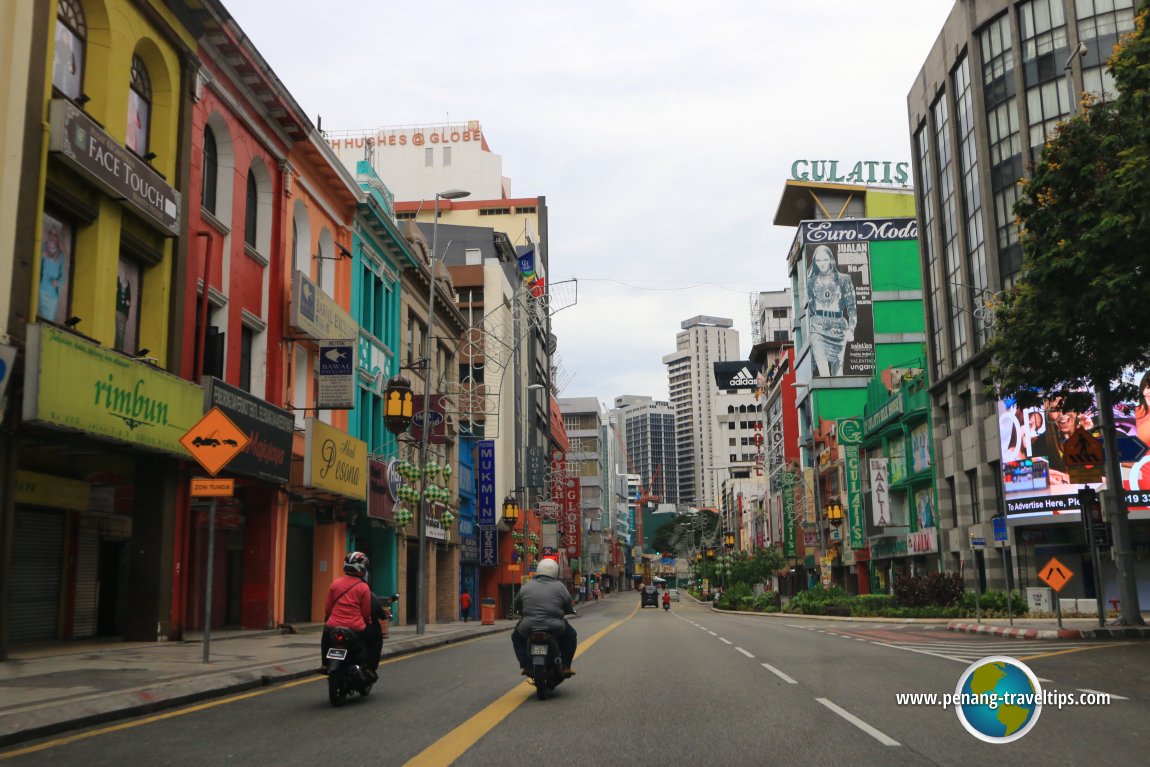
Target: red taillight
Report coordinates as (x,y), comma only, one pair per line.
(540,636)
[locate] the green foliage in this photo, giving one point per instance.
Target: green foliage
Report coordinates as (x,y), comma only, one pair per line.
(738,596)
(870,605)
(756,568)
(993,604)
(687,533)
(1066,323)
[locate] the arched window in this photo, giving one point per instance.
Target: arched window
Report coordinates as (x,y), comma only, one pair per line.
(139,107)
(71,41)
(211,171)
(251,208)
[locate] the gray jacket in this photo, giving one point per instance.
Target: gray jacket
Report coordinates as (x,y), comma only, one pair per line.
(543,601)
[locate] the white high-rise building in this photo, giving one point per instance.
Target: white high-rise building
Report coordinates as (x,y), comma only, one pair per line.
(702,342)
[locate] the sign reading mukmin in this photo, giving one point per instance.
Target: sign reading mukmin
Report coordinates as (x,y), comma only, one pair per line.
(334,461)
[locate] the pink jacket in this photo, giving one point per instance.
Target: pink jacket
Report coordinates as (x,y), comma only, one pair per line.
(348,603)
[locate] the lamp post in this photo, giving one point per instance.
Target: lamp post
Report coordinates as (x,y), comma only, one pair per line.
(425,426)
(511,519)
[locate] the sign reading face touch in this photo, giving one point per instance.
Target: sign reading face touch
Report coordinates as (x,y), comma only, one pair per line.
(84,146)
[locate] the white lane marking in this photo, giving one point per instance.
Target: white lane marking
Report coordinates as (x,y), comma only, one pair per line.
(778,673)
(878,735)
(744,652)
(1099,692)
(712,633)
(725,641)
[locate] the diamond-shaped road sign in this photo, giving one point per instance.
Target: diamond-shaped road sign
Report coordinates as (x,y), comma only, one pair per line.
(214,441)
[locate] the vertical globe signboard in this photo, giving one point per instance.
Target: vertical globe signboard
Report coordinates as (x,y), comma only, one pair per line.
(850,437)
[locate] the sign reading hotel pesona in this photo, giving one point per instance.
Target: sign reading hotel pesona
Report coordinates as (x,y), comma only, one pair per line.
(74,384)
(334,461)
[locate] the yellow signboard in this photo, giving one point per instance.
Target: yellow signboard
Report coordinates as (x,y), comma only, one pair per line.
(203,487)
(74,384)
(214,441)
(35,489)
(334,461)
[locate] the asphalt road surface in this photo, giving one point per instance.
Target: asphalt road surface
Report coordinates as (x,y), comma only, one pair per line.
(689,687)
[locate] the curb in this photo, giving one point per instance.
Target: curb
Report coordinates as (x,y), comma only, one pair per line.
(124,704)
(1016,633)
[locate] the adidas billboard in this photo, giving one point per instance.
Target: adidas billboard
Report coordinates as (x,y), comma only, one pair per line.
(741,374)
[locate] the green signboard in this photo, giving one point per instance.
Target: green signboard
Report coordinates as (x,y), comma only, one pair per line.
(850,437)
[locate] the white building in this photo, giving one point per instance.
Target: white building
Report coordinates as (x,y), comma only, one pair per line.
(702,342)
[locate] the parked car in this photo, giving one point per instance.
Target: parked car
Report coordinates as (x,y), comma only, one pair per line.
(649,596)
(674,594)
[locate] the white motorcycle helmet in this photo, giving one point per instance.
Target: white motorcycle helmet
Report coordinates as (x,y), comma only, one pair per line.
(548,567)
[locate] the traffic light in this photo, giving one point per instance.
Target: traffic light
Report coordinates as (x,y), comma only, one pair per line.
(1094,526)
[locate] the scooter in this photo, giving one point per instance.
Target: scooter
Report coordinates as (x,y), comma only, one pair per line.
(345,676)
(546,662)
(667,606)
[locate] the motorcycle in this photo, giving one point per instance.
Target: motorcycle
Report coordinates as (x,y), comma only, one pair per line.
(546,662)
(345,675)
(667,606)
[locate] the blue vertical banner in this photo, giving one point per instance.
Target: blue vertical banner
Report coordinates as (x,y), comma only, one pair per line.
(486,496)
(488,546)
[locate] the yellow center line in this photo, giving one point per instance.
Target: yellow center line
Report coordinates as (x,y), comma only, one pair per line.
(1067,652)
(452,745)
(204,706)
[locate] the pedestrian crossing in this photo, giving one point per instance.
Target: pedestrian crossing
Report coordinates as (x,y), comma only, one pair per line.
(964,648)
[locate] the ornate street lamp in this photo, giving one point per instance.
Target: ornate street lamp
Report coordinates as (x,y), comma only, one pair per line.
(729,540)
(397,405)
(510,511)
(834,512)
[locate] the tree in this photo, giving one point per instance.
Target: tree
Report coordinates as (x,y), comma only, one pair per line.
(758,567)
(687,533)
(1074,319)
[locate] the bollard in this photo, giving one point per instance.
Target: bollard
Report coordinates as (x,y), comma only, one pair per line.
(487,612)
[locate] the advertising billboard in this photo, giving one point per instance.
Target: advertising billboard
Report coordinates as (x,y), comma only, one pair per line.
(1049,452)
(837,289)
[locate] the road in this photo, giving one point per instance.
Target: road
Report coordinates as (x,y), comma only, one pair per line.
(686,687)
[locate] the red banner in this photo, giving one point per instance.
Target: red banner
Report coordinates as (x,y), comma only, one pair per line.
(566,491)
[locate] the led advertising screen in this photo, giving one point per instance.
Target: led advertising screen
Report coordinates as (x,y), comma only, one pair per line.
(1049,452)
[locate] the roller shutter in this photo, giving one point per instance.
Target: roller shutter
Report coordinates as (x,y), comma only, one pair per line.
(37,561)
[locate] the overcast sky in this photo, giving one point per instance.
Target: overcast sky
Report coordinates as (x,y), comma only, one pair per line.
(661,133)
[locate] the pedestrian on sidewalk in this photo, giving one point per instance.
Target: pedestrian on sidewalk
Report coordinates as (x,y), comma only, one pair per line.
(465,605)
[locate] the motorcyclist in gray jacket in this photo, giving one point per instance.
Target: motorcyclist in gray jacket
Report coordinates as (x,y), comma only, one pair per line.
(545,601)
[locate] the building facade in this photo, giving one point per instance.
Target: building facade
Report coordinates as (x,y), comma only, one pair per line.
(997,81)
(858,309)
(701,342)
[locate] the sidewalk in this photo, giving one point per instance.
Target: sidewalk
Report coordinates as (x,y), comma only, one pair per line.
(1047,628)
(57,687)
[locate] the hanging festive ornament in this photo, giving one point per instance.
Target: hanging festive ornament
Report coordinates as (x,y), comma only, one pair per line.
(447,471)
(447,519)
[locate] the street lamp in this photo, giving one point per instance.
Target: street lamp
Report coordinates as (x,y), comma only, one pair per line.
(425,426)
(834,512)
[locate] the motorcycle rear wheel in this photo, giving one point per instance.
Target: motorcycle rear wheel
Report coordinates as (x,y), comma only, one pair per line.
(541,687)
(336,693)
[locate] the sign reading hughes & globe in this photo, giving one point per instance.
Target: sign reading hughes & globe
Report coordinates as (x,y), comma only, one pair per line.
(84,146)
(269,430)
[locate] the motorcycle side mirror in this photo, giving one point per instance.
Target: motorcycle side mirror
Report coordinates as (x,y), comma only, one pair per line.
(395,597)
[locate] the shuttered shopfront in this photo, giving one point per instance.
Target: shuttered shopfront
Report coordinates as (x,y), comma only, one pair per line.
(37,565)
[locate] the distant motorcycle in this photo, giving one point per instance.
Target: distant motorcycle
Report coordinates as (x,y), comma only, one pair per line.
(667,605)
(346,675)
